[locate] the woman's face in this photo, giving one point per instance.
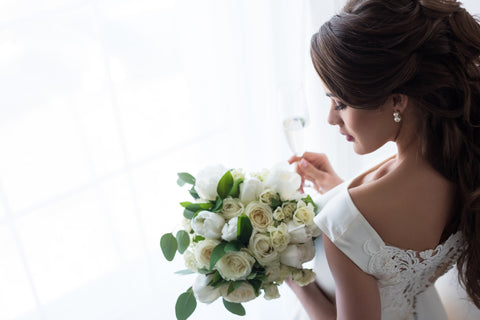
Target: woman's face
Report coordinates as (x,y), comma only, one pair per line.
(368,130)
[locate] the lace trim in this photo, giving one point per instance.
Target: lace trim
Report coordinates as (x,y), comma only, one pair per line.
(403,274)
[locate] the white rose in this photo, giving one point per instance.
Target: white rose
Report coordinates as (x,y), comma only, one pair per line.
(303,277)
(262,248)
(280,236)
(235,265)
(272,271)
(208,224)
(190,260)
(242,294)
(289,208)
(278,214)
(203,251)
(232,208)
(296,254)
(202,291)
(206,181)
(304,213)
(250,190)
(229,231)
(283,181)
(268,197)
(260,215)
(271,292)
(298,233)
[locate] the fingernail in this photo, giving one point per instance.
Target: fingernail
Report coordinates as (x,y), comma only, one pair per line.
(303,163)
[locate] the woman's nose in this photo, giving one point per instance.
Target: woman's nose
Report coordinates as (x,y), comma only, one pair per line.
(333,116)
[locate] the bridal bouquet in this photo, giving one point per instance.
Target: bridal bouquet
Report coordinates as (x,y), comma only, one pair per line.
(243,234)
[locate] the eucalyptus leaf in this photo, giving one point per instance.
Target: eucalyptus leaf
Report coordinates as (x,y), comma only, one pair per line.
(186,304)
(184,177)
(225,185)
(194,193)
(217,253)
(183,240)
(168,243)
(184,272)
(235,308)
(244,229)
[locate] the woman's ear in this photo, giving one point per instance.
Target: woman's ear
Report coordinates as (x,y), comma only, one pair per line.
(400,102)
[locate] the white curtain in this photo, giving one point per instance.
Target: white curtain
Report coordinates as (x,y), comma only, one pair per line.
(102,103)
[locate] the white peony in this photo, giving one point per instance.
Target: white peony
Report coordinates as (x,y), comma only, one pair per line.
(298,233)
(235,265)
(207,180)
(232,208)
(202,291)
(229,231)
(296,254)
(250,190)
(283,181)
(203,251)
(208,224)
(242,294)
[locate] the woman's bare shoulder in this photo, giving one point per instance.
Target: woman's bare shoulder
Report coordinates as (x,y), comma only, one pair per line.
(408,207)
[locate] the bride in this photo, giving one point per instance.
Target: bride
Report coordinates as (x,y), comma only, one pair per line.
(405,71)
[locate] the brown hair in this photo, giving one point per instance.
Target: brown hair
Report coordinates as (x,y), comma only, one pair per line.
(428,50)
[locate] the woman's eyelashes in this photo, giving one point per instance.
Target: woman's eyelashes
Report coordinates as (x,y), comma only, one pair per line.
(340,105)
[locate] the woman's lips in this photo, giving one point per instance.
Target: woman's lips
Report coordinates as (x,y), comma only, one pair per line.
(347,136)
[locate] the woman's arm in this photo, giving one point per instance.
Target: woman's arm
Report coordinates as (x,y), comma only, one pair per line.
(356,293)
(315,302)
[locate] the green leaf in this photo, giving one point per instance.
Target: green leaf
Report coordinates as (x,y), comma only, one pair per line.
(235,308)
(244,229)
(225,185)
(234,285)
(234,245)
(276,202)
(193,208)
(184,177)
(183,240)
(235,192)
(218,205)
(184,272)
(203,271)
(198,238)
(186,304)
(168,243)
(308,199)
(185,204)
(217,253)
(256,284)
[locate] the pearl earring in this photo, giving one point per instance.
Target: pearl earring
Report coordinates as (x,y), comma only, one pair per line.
(397,117)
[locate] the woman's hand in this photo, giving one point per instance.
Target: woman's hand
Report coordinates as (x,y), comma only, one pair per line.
(316,168)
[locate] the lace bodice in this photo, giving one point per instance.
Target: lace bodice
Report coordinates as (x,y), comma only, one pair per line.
(402,275)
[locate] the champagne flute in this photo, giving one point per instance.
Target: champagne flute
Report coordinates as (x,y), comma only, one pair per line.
(295,118)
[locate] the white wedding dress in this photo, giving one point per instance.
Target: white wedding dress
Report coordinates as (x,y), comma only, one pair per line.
(405,277)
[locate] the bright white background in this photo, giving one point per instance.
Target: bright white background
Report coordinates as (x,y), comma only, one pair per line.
(102,102)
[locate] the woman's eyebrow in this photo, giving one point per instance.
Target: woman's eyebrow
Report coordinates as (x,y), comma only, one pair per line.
(330,95)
